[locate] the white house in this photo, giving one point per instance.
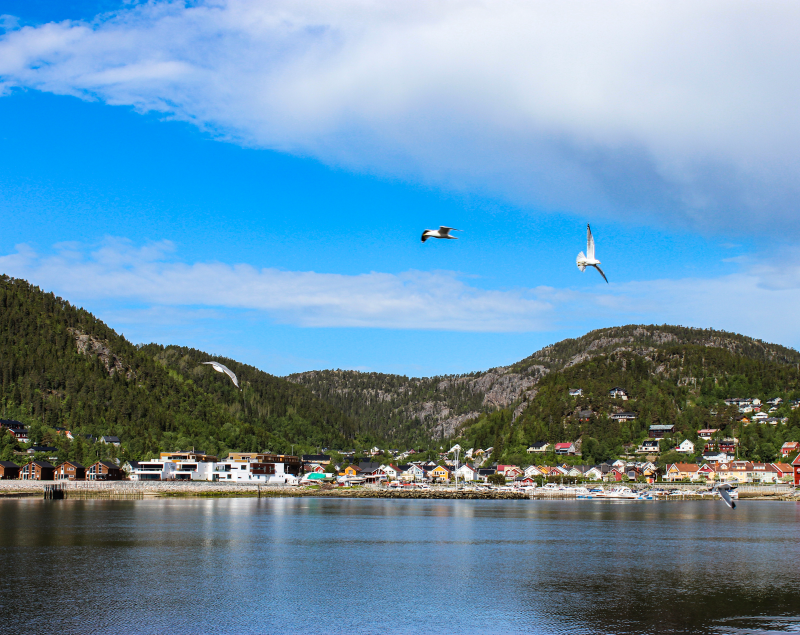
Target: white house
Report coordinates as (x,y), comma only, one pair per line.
(539,447)
(618,393)
(686,447)
(414,473)
(576,392)
(467,473)
(760,416)
(594,474)
(532,471)
(391,471)
(649,446)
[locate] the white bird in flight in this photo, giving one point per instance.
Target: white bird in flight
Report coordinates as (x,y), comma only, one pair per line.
(722,489)
(589,260)
(442,232)
(221,368)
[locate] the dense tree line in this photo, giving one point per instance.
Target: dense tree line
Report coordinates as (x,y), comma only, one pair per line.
(152,398)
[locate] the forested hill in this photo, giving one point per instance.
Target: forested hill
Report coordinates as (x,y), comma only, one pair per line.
(642,338)
(403,408)
(62,367)
(683,385)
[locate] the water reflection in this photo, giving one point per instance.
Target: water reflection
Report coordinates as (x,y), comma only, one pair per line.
(393,566)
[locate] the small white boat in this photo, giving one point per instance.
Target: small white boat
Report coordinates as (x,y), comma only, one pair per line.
(621,493)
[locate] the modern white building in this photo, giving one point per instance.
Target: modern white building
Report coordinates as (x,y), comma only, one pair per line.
(268,469)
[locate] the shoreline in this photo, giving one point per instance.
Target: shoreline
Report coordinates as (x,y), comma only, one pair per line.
(122,490)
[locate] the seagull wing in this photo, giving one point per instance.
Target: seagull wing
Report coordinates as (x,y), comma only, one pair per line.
(601,273)
(221,368)
(444,230)
(723,494)
(589,243)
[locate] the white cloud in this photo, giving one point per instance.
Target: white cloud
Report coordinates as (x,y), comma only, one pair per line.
(761,301)
(664,111)
(410,300)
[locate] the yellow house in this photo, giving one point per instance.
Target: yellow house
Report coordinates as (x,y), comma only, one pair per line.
(439,473)
(350,470)
(682,471)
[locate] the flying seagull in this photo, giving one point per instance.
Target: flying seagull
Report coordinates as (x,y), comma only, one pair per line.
(442,232)
(221,368)
(722,489)
(589,260)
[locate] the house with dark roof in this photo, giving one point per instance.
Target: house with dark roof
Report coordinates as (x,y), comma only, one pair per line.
(70,471)
(369,468)
(37,471)
(16,428)
(622,416)
(660,431)
(110,441)
(104,471)
(322,459)
(8,470)
(618,393)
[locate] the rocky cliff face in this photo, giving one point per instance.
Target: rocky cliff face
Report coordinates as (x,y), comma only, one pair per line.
(439,406)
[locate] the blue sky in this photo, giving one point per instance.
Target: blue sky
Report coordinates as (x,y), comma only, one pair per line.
(206,175)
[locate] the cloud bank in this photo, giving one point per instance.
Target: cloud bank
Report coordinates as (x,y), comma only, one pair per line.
(757,302)
(679,113)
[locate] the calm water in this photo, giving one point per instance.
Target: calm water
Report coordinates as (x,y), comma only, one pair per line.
(394,566)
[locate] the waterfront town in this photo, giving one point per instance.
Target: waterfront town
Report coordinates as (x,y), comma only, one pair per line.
(396,468)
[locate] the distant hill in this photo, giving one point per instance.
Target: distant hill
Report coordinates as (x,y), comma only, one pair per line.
(62,367)
(398,407)
(679,384)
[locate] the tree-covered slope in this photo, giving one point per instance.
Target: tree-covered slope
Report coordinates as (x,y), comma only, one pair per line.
(62,367)
(675,384)
(406,409)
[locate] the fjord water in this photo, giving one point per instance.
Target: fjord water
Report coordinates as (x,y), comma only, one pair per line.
(351,566)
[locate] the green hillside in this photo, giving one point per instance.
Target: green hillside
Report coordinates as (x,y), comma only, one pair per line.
(681,385)
(62,367)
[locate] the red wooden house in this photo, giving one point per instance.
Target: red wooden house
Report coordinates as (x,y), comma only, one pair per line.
(104,471)
(37,471)
(70,471)
(8,470)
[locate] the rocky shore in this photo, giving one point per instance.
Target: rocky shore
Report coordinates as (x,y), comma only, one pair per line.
(188,489)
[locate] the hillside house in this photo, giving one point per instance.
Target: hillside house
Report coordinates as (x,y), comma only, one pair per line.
(540,447)
(623,416)
(16,428)
(576,392)
(685,447)
(648,446)
(660,431)
(584,415)
(706,433)
(566,449)
(618,393)
(789,448)
(110,441)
